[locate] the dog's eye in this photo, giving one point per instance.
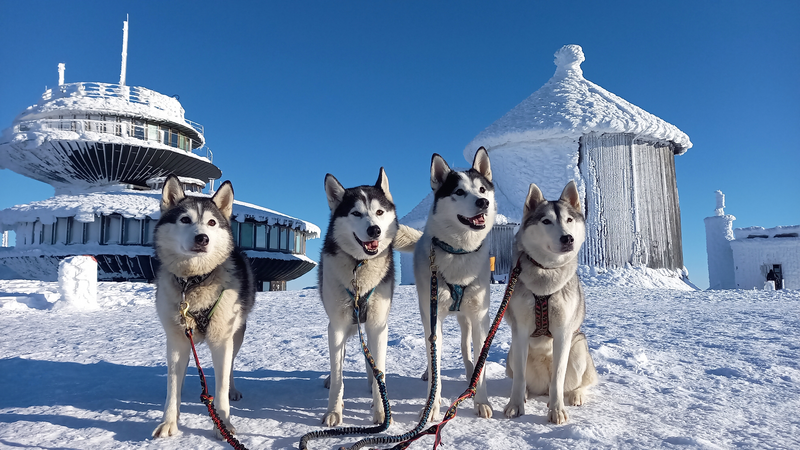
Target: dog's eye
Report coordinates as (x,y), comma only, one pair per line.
(356,213)
(379,212)
(569,219)
(186,220)
(460,192)
(483,189)
(212,223)
(546,221)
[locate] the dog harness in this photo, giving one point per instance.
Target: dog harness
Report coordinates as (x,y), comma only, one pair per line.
(203,317)
(456,290)
(362,306)
(541,308)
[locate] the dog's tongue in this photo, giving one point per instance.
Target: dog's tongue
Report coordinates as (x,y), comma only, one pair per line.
(478,220)
(371,245)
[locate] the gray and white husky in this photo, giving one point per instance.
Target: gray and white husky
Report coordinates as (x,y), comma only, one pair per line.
(548,352)
(194,244)
(461,217)
(358,252)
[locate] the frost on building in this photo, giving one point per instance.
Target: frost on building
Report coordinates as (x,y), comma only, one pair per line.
(106,149)
(620,156)
(749,258)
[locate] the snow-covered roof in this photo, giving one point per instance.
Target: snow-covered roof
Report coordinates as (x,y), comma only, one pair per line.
(569,106)
(783,231)
(131,204)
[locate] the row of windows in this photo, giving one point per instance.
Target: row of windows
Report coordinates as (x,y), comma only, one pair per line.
(115,229)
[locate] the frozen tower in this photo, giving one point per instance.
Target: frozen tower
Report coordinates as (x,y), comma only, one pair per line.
(719,234)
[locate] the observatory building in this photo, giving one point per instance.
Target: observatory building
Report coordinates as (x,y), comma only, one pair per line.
(621,157)
(106,149)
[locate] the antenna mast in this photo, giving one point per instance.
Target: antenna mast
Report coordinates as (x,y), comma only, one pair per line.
(124,69)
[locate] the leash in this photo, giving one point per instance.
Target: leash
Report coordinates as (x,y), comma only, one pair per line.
(207,399)
(379,377)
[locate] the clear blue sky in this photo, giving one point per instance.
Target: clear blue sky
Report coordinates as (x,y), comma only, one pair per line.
(289,91)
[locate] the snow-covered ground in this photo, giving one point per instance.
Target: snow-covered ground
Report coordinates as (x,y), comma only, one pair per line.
(678,369)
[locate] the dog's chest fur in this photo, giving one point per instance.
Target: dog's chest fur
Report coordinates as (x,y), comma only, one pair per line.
(566,304)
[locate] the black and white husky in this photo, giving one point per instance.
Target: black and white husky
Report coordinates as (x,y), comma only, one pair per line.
(194,244)
(461,217)
(549,354)
(358,252)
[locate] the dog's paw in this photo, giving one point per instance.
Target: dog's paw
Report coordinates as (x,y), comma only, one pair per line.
(434,415)
(327,382)
(219,435)
(483,410)
(575,398)
(514,409)
(332,418)
(558,415)
(378,416)
(234,395)
(166,429)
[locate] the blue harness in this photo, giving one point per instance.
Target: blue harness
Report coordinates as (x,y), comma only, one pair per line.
(362,306)
(456,290)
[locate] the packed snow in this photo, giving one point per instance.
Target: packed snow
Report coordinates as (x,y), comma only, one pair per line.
(679,368)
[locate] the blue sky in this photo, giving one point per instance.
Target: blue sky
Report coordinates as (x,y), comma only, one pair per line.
(290,91)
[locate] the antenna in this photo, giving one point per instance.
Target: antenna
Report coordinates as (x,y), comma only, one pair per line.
(61,67)
(124,69)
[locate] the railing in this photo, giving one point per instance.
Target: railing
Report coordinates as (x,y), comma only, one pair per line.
(132,94)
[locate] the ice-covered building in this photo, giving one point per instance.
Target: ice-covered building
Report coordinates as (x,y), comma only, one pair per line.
(746,258)
(620,156)
(106,149)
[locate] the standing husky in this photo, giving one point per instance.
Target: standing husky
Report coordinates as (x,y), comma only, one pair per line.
(357,251)
(194,244)
(461,217)
(548,352)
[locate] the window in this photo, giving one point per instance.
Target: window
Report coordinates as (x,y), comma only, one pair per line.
(46,236)
(75,232)
(148,226)
(261,236)
(299,239)
(112,229)
(61,230)
(173,141)
(273,237)
(282,239)
(290,240)
(246,234)
(235,232)
(133,232)
(138,129)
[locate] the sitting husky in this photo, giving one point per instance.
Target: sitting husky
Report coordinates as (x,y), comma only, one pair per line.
(194,244)
(461,217)
(358,250)
(548,352)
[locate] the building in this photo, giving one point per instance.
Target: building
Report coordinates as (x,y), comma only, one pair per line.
(747,258)
(106,149)
(620,156)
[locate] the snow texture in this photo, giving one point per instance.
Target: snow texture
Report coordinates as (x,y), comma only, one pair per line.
(77,283)
(678,369)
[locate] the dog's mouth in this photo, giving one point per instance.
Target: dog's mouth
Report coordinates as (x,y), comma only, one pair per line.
(199,249)
(566,248)
(369,247)
(477,222)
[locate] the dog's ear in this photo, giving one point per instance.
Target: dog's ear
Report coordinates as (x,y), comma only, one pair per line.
(533,199)
(439,171)
(223,198)
(383,184)
(571,195)
(481,163)
(171,194)
(334,190)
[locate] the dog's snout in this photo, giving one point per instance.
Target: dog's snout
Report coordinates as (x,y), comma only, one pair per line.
(567,239)
(482,203)
(201,239)
(374,231)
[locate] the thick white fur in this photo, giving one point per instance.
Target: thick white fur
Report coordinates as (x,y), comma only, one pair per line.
(470,270)
(225,333)
(560,366)
(337,275)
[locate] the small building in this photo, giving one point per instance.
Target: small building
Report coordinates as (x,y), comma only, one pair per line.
(621,157)
(749,258)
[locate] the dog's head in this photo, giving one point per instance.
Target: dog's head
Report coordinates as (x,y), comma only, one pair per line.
(552,232)
(464,209)
(193,235)
(363,219)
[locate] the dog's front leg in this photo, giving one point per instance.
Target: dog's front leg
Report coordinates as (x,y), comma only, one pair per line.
(562,340)
(177,359)
(336,342)
(377,337)
(479,333)
(518,362)
(222,357)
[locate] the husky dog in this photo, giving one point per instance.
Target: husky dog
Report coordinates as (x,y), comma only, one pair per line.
(548,352)
(194,244)
(357,253)
(461,217)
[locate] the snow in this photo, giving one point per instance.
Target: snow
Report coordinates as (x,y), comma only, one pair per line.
(678,369)
(77,282)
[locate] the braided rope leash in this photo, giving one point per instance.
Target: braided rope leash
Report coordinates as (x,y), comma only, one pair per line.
(406,438)
(379,377)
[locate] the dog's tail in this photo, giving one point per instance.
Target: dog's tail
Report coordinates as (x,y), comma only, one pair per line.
(406,239)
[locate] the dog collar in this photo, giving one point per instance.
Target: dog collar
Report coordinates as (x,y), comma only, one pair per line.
(535,263)
(450,249)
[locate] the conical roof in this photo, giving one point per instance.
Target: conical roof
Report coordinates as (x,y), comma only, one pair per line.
(569,106)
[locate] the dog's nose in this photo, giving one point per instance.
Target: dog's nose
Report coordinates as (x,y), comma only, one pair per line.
(201,239)
(374,231)
(482,203)
(567,239)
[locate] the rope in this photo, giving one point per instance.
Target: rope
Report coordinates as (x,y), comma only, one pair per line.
(208,400)
(379,377)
